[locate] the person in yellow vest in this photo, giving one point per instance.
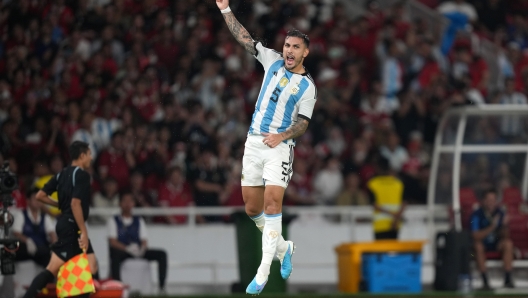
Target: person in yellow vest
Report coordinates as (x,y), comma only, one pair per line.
(386,192)
(43,174)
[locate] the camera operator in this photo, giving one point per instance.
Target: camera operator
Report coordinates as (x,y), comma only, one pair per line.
(35,230)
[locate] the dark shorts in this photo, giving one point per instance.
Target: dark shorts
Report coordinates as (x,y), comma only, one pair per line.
(491,246)
(392,234)
(67,245)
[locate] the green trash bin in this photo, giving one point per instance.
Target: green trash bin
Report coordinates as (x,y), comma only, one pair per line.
(249,246)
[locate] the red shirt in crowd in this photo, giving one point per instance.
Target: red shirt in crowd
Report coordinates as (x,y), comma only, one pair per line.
(175,196)
(116,165)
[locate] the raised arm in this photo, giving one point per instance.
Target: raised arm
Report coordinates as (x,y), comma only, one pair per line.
(239,32)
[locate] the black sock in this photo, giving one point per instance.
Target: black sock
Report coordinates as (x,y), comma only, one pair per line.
(96,275)
(39,283)
(485,278)
(507,277)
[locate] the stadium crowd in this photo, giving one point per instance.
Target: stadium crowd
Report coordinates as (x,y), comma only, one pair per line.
(164,95)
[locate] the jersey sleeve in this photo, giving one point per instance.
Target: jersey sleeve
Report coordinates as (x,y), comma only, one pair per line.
(49,224)
(111,228)
(307,103)
(142,230)
(475,222)
(266,56)
(50,186)
(81,188)
(18,224)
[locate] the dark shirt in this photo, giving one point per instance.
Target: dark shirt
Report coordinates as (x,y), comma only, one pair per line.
(72,182)
(480,220)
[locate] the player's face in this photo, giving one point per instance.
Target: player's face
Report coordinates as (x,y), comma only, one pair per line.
(490,201)
(87,159)
(294,52)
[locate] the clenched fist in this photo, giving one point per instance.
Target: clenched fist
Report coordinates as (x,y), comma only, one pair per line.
(222,4)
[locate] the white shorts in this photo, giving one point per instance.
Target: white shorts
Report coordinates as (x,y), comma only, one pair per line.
(262,165)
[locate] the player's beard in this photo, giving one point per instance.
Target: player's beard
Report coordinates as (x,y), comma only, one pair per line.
(296,62)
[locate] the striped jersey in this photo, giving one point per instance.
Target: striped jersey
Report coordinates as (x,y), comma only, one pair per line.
(284,96)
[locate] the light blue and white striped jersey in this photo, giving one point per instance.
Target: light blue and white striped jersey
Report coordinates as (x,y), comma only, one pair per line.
(284,96)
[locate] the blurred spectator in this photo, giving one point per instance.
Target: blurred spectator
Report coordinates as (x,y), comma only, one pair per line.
(394,152)
(209,182)
(209,85)
(127,238)
(84,134)
(116,162)
(386,193)
(391,69)
(376,107)
(512,125)
(489,226)
(352,193)
(491,13)
(43,174)
(35,230)
(300,188)
(105,126)
(108,197)
(232,195)
(328,182)
(175,192)
(141,196)
(459,6)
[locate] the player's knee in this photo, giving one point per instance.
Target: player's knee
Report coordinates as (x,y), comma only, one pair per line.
(479,247)
(508,245)
(252,210)
(273,209)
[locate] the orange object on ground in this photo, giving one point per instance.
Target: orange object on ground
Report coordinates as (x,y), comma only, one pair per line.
(349,259)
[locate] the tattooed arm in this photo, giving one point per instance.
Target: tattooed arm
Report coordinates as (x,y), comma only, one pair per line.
(296,130)
(240,33)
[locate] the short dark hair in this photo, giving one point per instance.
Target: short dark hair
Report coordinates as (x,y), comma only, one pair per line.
(77,148)
(383,164)
(116,134)
(31,191)
(125,193)
(488,191)
(297,33)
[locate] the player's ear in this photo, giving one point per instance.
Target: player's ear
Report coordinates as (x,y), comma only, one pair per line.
(306,52)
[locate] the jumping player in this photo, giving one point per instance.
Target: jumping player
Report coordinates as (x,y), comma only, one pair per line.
(282,113)
(73,187)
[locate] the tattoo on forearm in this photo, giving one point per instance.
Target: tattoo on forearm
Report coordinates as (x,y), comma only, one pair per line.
(240,33)
(296,130)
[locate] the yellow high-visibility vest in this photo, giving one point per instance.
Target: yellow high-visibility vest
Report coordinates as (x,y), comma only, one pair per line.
(39,183)
(388,194)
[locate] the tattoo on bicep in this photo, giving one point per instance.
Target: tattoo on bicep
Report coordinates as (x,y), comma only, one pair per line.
(297,129)
(239,32)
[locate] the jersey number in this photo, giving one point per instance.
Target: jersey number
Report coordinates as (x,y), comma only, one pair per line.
(275,96)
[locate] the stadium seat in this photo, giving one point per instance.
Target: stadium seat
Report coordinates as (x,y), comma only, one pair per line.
(135,273)
(511,199)
(468,204)
(518,233)
(493,255)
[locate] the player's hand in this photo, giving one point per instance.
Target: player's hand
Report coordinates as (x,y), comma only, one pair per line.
(83,241)
(496,221)
(506,220)
(272,140)
(222,4)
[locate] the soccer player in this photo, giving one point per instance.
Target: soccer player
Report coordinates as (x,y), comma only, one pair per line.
(73,187)
(282,113)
